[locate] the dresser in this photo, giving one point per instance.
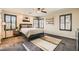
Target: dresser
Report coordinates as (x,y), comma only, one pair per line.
(77,41)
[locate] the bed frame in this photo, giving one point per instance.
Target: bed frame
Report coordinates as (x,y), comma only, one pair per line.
(25,26)
(32,37)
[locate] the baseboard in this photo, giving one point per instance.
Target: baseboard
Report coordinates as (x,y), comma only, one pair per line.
(57,36)
(9,37)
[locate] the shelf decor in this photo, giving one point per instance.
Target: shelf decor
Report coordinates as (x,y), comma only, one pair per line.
(26,19)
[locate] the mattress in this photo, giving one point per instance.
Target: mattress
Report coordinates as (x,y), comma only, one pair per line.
(31,31)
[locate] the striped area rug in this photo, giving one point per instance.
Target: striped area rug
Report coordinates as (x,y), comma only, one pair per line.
(47,43)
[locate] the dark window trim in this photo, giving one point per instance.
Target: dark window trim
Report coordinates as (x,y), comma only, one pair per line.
(65,22)
(10,21)
(39,23)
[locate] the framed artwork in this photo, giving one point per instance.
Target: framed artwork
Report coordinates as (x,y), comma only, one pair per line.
(50,21)
(65,22)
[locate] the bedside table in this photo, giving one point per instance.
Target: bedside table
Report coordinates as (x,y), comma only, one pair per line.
(16,33)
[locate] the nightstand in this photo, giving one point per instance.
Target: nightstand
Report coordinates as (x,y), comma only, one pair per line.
(16,33)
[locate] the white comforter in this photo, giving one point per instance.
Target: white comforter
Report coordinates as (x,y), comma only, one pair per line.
(31,31)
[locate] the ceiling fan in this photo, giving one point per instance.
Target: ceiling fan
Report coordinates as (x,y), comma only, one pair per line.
(38,12)
(43,10)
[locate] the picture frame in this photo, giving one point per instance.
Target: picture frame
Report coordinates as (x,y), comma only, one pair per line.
(50,21)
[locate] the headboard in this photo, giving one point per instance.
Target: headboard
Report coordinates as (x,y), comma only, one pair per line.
(25,26)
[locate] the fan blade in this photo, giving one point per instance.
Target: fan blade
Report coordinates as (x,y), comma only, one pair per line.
(38,9)
(44,11)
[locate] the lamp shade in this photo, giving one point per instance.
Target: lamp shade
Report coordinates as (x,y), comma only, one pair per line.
(3,23)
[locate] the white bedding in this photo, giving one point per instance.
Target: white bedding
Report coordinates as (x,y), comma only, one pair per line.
(31,31)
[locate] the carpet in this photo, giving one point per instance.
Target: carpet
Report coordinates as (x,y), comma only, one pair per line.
(46,43)
(51,39)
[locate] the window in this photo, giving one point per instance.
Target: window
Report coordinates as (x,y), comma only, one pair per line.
(35,23)
(10,21)
(38,22)
(65,22)
(41,23)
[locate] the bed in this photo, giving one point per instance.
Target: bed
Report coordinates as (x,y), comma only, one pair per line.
(31,33)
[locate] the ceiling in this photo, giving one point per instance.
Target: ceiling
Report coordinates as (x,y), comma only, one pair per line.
(29,11)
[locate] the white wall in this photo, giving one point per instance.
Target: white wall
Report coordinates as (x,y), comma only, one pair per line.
(54,28)
(19,21)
